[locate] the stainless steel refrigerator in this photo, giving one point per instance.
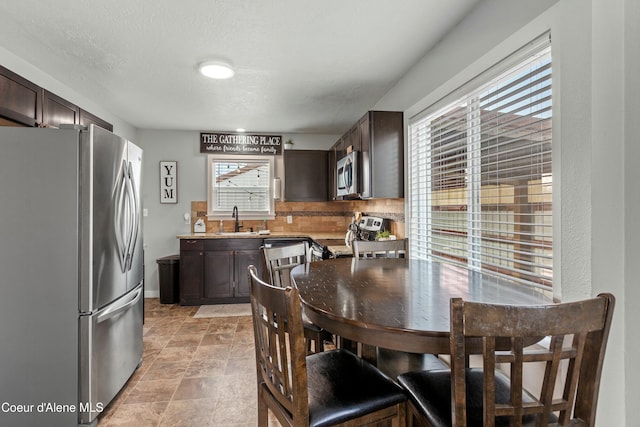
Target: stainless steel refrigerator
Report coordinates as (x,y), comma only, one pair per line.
(71,273)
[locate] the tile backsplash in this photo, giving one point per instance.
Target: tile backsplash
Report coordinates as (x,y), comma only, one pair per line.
(319,217)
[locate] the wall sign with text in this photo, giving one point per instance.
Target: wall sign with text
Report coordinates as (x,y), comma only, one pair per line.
(240,144)
(168,182)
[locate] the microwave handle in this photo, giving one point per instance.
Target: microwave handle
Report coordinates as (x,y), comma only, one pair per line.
(348,174)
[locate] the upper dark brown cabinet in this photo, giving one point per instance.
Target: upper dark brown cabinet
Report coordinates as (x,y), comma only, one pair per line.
(23,103)
(58,111)
(86,118)
(20,100)
(332,190)
(382,155)
(379,138)
(306,175)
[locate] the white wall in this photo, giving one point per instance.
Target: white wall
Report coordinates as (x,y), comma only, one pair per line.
(596,87)
(165,221)
(631,350)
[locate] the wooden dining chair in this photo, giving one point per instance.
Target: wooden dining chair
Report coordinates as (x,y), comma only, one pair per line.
(331,388)
(380,248)
(494,396)
(280,261)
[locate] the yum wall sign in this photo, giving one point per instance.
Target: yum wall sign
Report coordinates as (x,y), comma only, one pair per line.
(168,181)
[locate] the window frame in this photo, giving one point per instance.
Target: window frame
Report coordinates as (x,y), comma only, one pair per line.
(217,214)
(419,174)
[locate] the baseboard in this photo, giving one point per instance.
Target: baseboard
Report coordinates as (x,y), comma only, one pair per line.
(151,294)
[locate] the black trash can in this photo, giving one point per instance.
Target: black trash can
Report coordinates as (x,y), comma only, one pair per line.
(169,274)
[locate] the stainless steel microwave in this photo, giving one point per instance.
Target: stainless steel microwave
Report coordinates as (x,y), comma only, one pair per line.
(347,175)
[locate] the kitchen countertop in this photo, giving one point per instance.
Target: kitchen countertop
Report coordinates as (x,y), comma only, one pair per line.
(245,235)
(339,251)
(331,240)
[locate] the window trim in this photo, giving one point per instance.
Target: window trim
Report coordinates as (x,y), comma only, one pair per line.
(464,91)
(244,214)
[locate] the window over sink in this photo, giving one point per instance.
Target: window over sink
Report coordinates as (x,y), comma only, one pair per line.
(242,181)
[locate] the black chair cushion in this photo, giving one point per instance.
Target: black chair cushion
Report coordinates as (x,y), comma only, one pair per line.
(342,386)
(430,392)
(394,363)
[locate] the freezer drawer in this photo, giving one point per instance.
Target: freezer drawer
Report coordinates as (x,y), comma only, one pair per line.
(110,351)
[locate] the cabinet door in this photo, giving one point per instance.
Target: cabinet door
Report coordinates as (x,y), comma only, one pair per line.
(387,154)
(86,118)
(341,147)
(20,100)
(382,155)
(58,111)
(354,138)
(305,175)
(218,274)
(365,156)
(243,260)
(331,170)
(191,283)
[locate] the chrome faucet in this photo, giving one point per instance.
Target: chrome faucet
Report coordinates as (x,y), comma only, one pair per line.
(234,214)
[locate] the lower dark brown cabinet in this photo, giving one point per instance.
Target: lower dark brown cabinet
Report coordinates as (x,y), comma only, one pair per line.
(214,271)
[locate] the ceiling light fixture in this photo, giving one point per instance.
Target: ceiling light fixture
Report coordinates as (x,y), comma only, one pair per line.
(216,69)
(240,130)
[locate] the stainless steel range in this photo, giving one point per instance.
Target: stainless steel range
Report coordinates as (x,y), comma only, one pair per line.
(365,228)
(369,226)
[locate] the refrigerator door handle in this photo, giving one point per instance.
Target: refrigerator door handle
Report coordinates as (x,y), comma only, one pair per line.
(134,214)
(119,225)
(114,310)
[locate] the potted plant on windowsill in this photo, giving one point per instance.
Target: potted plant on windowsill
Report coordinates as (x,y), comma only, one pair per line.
(288,145)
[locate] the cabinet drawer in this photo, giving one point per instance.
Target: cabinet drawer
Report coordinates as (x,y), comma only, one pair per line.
(232,244)
(191,244)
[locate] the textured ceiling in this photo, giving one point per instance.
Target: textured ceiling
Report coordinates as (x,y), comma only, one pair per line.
(301,65)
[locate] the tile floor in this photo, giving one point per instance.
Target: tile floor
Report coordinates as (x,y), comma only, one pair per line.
(195,372)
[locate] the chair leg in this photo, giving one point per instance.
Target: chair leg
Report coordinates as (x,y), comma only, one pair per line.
(347,344)
(310,346)
(263,409)
(319,343)
(315,341)
(414,418)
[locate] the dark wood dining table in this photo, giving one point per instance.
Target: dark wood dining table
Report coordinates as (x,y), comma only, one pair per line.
(395,303)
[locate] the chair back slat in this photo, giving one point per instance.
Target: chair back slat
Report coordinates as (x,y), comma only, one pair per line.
(578,334)
(279,344)
(380,249)
(552,366)
(280,261)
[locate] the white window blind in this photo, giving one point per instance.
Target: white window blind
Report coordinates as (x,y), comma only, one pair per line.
(245,183)
(481,179)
